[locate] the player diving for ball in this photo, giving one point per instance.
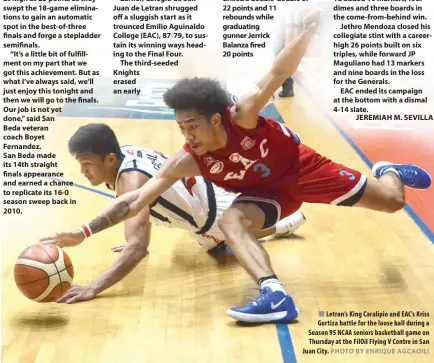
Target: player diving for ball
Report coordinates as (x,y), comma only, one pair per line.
(193,204)
(236,148)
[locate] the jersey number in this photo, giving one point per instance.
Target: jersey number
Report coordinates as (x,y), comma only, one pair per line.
(262,168)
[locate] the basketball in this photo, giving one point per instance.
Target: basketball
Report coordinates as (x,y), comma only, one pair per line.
(43,272)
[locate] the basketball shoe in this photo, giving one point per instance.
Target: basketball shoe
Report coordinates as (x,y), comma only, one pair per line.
(412,176)
(268,307)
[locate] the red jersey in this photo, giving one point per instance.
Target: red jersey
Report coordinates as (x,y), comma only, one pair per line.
(253,158)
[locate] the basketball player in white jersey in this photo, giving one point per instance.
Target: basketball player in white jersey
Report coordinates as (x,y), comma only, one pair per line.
(192,204)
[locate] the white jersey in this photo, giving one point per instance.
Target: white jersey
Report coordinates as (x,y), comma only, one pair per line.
(189,204)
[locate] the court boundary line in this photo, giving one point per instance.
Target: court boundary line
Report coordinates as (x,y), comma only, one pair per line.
(413,215)
(285,342)
(282,330)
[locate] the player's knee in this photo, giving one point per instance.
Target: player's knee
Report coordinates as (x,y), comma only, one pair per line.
(394,204)
(231,220)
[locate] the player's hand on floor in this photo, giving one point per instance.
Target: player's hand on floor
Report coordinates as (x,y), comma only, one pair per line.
(118,248)
(65,239)
(77,293)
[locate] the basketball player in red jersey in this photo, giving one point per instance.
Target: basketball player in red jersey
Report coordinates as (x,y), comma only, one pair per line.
(194,205)
(235,148)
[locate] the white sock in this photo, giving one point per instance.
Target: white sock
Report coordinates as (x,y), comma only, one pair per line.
(281,227)
(273,284)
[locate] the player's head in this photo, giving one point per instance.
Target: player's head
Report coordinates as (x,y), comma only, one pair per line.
(199,105)
(97,150)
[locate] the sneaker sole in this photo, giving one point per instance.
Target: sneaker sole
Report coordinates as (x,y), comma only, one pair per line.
(381,164)
(384,163)
(277,317)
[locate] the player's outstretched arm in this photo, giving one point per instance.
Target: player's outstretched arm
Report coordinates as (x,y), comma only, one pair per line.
(137,237)
(130,204)
(284,66)
(124,207)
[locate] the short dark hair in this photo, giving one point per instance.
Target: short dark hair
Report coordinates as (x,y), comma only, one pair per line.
(96,139)
(205,95)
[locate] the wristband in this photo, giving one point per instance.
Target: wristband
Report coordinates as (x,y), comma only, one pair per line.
(86,230)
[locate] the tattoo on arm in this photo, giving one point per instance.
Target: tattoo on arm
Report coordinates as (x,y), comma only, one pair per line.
(115,215)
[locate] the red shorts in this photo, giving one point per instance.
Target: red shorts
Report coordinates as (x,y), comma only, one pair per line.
(316,180)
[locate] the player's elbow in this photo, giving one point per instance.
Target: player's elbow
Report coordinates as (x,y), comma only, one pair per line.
(142,253)
(138,251)
(138,201)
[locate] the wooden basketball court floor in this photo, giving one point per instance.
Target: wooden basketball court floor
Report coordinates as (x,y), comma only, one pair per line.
(171,308)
